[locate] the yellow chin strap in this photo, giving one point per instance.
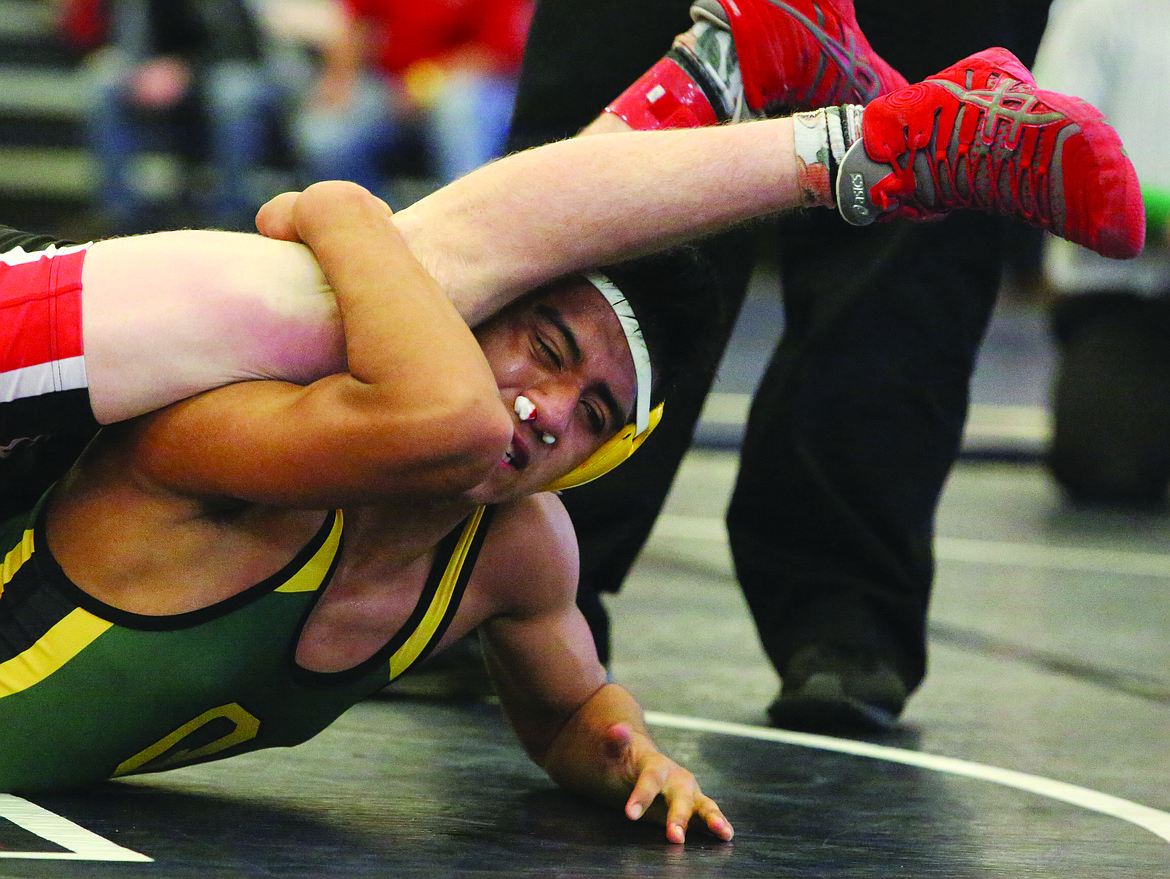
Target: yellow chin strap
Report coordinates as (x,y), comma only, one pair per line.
(612,452)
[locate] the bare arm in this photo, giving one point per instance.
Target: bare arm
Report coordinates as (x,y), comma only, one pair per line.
(519,222)
(588,734)
(418,412)
(533,216)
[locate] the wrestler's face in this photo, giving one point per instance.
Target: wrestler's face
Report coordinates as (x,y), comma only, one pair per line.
(566,354)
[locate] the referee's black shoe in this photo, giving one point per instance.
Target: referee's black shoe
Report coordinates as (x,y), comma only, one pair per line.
(838,692)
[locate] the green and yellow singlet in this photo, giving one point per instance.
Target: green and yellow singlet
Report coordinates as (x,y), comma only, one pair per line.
(88,692)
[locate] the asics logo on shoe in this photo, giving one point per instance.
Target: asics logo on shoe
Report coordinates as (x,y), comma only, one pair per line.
(857,187)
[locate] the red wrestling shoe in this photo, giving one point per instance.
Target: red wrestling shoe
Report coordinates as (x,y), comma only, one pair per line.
(800,54)
(750,58)
(981,135)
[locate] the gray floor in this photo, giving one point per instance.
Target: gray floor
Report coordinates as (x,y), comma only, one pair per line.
(1038,746)
(1049,657)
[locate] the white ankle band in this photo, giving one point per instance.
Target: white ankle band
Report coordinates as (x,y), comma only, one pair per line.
(822,137)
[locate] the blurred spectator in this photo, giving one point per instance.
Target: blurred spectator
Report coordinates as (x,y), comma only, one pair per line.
(445,67)
(1111,319)
(206,66)
(82,23)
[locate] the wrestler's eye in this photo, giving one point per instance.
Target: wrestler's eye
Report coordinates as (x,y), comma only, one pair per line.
(547,352)
(594,416)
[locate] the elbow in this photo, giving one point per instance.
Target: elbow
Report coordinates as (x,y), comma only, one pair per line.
(474,436)
(488,431)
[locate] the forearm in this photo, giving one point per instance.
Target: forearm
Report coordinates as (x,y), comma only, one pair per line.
(417,413)
(587,201)
(410,355)
(528,218)
(588,735)
(605,753)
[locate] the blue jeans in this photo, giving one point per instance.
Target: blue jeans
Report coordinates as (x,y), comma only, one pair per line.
(465,128)
(240,101)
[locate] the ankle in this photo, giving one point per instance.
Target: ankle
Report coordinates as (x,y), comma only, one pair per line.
(821,139)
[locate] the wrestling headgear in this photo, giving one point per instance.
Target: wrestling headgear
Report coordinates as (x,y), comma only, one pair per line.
(619,447)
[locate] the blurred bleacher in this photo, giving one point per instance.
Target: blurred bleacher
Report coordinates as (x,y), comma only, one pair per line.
(46,175)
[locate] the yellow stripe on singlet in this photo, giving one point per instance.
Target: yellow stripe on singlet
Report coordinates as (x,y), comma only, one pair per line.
(16,557)
(55,648)
(405,655)
(311,575)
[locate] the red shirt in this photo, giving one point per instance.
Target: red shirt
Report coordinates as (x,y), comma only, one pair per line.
(407,31)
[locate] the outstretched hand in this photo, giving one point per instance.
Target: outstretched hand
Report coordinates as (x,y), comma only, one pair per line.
(662,788)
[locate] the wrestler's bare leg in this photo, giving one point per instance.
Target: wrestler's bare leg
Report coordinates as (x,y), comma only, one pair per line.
(171,314)
(588,201)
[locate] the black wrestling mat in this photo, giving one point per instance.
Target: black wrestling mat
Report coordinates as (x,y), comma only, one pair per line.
(405,789)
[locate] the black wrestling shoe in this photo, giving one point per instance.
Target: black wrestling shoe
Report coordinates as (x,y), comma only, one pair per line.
(838,692)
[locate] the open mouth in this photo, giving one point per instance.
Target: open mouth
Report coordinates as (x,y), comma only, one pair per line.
(515,456)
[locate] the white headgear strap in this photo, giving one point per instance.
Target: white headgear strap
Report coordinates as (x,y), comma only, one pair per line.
(634,339)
